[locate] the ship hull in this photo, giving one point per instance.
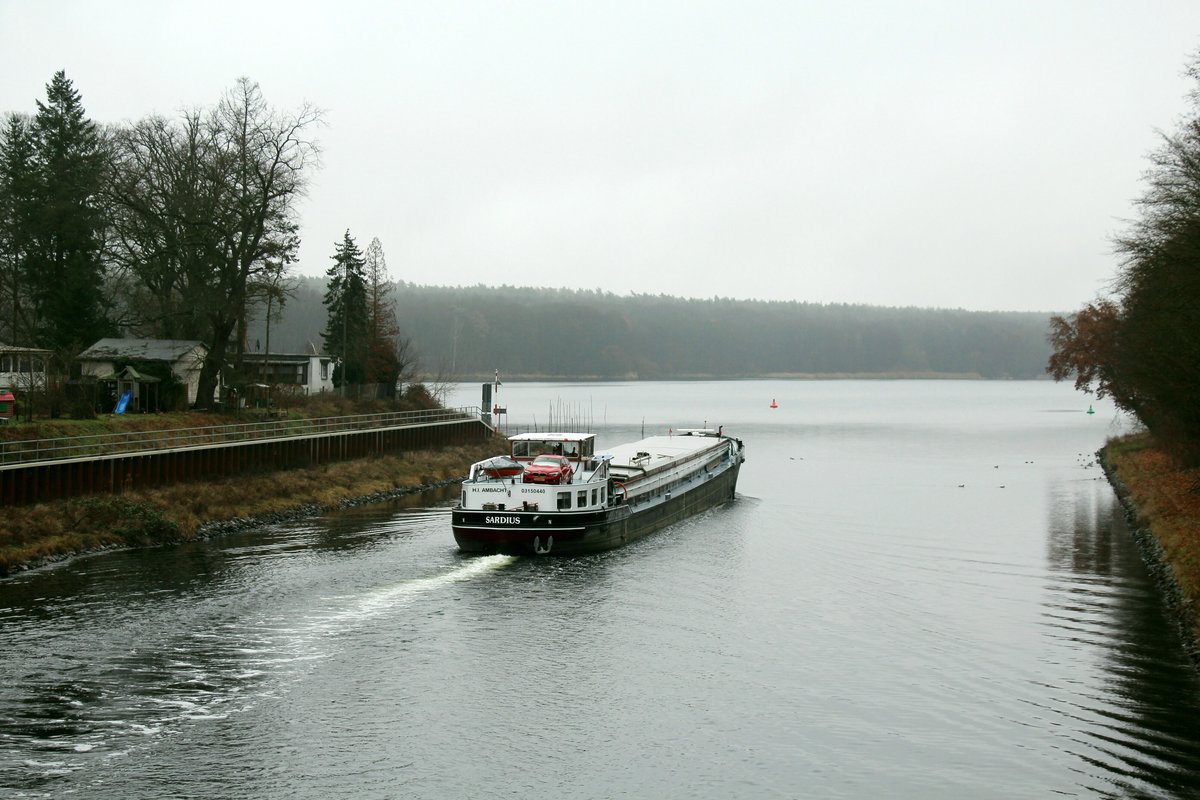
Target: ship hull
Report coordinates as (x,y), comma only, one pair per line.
(530,533)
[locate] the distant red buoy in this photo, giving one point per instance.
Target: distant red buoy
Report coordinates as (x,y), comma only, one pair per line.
(773,403)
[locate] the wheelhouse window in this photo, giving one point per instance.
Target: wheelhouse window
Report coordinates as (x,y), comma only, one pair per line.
(564,501)
(528,448)
(581,499)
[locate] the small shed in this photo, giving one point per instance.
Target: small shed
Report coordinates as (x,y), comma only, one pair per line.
(8,405)
(139,391)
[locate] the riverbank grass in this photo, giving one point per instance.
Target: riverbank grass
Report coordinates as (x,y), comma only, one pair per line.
(1167,503)
(34,533)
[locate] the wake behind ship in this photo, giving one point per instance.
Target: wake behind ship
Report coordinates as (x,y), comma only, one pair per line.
(554,494)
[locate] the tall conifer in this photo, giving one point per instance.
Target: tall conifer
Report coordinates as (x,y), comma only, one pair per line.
(65,267)
(345,333)
(18,182)
(383,362)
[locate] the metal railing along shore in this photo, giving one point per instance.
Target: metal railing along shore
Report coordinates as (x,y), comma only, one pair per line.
(22,451)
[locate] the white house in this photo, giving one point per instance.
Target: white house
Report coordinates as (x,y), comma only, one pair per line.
(22,368)
(312,373)
(106,357)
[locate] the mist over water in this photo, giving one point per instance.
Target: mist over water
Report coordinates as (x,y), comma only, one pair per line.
(924,589)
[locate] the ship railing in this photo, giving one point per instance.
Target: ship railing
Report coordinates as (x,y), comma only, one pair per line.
(71,447)
(600,472)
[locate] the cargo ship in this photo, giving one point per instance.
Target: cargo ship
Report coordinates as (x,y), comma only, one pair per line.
(554,494)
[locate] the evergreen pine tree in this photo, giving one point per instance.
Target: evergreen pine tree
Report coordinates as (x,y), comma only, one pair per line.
(17,192)
(65,265)
(345,333)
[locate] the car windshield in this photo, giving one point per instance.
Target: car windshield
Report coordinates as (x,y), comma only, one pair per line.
(555,461)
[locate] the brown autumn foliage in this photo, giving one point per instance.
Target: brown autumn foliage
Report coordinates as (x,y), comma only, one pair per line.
(1085,345)
(1143,346)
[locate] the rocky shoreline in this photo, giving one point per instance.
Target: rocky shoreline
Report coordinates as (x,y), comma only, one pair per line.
(216,528)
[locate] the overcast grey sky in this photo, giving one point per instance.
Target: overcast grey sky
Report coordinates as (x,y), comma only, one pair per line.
(949,153)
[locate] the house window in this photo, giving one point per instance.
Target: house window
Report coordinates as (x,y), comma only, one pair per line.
(324,370)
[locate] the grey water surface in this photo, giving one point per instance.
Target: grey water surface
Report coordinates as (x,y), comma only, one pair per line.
(923,590)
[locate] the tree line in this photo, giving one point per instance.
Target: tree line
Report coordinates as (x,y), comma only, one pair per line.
(468,332)
(182,227)
(1141,344)
(186,227)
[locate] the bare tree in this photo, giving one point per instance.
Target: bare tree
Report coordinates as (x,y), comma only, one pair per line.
(1142,347)
(207,214)
(262,156)
(160,201)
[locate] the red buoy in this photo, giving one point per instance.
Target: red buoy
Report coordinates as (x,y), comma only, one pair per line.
(773,403)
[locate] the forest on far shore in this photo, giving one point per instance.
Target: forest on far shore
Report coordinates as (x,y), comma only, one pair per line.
(187,227)
(466,333)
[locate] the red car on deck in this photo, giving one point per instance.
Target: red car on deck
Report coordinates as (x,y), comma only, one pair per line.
(548,469)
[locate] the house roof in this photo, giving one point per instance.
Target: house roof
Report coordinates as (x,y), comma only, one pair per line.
(8,348)
(169,350)
(283,358)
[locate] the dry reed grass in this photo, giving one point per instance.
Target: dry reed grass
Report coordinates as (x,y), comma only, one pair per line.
(1167,499)
(173,513)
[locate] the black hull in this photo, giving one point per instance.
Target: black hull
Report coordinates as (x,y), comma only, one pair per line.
(567,533)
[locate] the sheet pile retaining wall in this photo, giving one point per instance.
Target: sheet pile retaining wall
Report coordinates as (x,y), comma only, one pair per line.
(117,473)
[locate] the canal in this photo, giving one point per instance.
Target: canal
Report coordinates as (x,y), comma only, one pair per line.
(923,590)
